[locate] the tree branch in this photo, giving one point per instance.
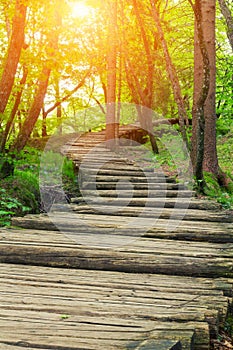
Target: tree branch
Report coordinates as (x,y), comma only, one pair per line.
(65,98)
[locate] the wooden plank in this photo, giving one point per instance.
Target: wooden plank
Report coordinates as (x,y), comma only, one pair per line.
(166,202)
(163,208)
(137,186)
(44,312)
(95,166)
(109,279)
(113,225)
(142,255)
(115,172)
(145,194)
(132,179)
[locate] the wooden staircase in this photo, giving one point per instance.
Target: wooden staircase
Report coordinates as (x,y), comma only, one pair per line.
(138,262)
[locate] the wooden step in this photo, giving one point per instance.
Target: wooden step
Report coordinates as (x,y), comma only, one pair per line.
(155,178)
(100,207)
(144,194)
(179,202)
(110,186)
(94,167)
(93,158)
(81,309)
(214,232)
(116,253)
(121,173)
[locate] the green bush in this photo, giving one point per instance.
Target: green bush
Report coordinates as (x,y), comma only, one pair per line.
(10,206)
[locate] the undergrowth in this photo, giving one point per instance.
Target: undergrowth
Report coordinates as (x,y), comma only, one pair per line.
(172,159)
(20,191)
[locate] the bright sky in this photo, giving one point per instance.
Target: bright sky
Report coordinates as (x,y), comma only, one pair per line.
(79,9)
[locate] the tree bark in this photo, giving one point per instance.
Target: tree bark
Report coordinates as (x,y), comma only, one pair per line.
(34,111)
(204,149)
(111,73)
(10,121)
(210,151)
(59,109)
(13,56)
(37,105)
(146,94)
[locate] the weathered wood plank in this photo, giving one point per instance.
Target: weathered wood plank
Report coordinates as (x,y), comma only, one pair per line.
(166,202)
(113,225)
(137,186)
(145,194)
(142,255)
(47,316)
(164,208)
(143,179)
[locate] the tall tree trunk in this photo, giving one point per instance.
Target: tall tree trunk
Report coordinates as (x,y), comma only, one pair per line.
(37,105)
(13,56)
(111,71)
(119,94)
(10,121)
(171,71)
(59,109)
(229,20)
(44,123)
(210,150)
(34,111)
(147,94)
(204,150)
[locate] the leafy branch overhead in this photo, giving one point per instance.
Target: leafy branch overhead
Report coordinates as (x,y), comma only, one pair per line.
(69,66)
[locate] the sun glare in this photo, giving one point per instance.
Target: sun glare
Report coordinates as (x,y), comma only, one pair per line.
(79,9)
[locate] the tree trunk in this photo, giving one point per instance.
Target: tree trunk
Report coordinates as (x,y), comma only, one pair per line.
(171,71)
(44,123)
(204,150)
(229,20)
(34,111)
(210,151)
(14,51)
(37,105)
(10,121)
(111,68)
(146,94)
(59,109)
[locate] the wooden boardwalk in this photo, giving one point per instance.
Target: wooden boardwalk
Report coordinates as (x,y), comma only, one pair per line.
(137,263)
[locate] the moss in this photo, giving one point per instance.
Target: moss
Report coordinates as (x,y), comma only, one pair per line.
(215,191)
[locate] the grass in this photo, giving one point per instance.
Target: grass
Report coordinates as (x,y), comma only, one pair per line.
(173,161)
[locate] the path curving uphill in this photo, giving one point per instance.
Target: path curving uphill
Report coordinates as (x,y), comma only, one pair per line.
(138,262)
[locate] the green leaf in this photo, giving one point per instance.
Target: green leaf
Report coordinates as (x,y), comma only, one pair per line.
(4,212)
(65,317)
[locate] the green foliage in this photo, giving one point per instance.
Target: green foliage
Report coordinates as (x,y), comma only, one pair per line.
(56,169)
(228,327)
(9,206)
(28,158)
(20,193)
(225,147)
(54,166)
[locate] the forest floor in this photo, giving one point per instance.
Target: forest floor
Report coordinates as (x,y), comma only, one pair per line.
(225,342)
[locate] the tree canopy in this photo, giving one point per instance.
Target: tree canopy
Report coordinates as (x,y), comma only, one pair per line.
(60,57)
